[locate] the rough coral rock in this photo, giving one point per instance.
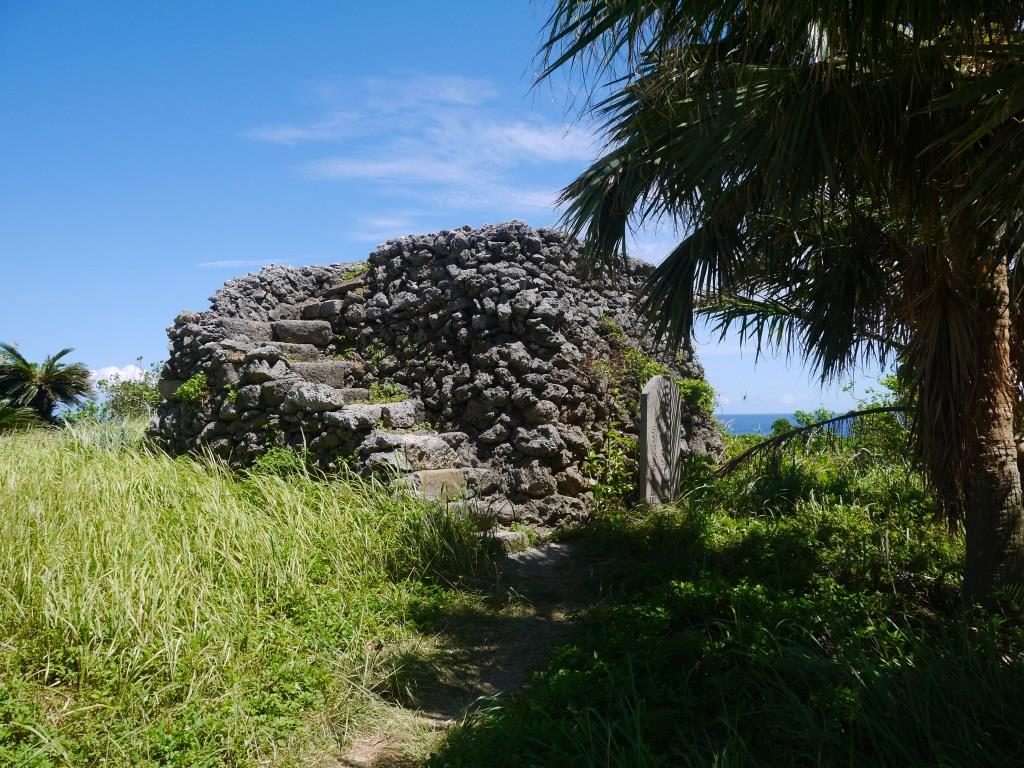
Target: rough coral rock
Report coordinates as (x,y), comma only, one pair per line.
(497,337)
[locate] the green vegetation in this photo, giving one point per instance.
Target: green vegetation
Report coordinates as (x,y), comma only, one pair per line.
(386,392)
(356,270)
(612,466)
(14,416)
(194,389)
(122,399)
(801,611)
(160,611)
(42,387)
(628,370)
(847,179)
(697,394)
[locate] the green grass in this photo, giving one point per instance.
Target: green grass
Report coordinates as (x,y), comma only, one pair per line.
(803,612)
(165,612)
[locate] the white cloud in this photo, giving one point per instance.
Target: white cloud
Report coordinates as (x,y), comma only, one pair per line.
(400,169)
(788,399)
(130,372)
(333,127)
(378,229)
(444,141)
(233,263)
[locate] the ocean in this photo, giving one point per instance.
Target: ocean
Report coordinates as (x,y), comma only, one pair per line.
(751,423)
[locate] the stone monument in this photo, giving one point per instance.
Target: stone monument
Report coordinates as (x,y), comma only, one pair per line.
(661,440)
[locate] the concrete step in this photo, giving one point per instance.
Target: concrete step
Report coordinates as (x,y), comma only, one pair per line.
(333,373)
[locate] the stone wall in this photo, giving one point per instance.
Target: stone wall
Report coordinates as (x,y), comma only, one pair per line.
(492,343)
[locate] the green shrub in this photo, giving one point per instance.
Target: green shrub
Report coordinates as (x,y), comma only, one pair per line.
(613,467)
(697,394)
(356,270)
(282,462)
(804,611)
(386,392)
(193,389)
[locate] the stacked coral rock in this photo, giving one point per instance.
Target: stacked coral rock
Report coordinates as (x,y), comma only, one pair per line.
(492,336)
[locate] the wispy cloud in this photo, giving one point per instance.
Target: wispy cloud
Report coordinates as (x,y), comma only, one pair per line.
(377,229)
(233,263)
(440,141)
(335,126)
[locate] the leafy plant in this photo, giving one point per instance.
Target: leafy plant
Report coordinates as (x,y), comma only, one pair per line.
(386,392)
(800,148)
(356,270)
(131,398)
(697,394)
(13,416)
(194,389)
(612,466)
(282,462)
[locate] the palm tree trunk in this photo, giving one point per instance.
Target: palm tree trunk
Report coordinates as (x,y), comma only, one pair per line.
(995,507)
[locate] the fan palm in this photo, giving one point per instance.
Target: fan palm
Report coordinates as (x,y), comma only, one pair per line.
(42,386)
(847,175)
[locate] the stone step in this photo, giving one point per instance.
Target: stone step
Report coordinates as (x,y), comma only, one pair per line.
(451,483)
(407,451)
(316,332)
(320,309)
(297,353)
(236,328)
(342,288)
(333,373)
(439,484)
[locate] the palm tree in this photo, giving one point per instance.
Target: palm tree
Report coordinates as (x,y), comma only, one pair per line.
(847,176)
(42,386)
(15,416)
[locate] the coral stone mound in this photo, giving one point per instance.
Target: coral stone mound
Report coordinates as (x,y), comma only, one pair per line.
(474,364)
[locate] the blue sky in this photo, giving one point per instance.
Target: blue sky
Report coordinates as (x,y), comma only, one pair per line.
(151,151)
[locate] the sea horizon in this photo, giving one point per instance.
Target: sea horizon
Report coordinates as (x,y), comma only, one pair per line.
(751,423)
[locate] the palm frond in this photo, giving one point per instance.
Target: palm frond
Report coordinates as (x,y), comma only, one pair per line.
(834,425)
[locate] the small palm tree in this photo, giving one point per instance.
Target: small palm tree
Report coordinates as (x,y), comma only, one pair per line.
(43,386)
(14,416)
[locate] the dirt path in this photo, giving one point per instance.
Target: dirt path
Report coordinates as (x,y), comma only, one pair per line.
(480,654)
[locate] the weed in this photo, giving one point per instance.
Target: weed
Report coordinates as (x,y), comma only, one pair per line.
(613,466)
(193,390)
(282,462)
(356,270)
(386,392)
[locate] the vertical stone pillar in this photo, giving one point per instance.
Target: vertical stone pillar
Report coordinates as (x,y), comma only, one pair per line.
(661,440)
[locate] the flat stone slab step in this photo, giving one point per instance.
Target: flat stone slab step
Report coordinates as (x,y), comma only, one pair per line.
(342,288)
(333,373)
(319,309)
(439,484)
(297,353)
(316,332)
(407,451)
(254,330)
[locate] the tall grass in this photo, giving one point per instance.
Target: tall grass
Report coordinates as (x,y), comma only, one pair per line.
(157,611)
